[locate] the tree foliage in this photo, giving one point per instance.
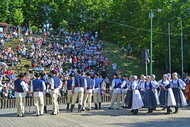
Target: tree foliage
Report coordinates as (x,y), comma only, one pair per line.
(118,21)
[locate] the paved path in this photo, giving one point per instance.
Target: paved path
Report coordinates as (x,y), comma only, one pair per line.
(95,118)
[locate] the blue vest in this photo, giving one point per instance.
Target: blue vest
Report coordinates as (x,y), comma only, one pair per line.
(90,83)
(127,82)
(118,83)
(175,86)
(56,82)
(150,85)
(168,85)
(18,87)
(69,84)
(79,81)
(98,82)
(37,85)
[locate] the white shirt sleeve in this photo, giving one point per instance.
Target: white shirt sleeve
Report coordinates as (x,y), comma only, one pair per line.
(66,85)
(155,84)
(44,85)
(61,84)
(182,84)
(94,84)
(123,84)
(113,84)
(52,83)
(24,86)
(134,85)
(31,87)
(73,83)
(85,83)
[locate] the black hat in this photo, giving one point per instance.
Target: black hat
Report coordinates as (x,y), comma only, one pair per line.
(21,75)
(53,72)
(124,75)
(97,73)
(37,75)
(88,74)
(115,74)
(79,72)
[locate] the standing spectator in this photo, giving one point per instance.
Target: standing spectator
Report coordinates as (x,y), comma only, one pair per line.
(114,67)
(106,63)
(129,50)
(122,50)
(187,88)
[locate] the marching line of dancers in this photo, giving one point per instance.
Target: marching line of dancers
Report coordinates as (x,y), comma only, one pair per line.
(134,93)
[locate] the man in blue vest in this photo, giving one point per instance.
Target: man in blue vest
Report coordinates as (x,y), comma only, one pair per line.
(124,90)
(38,88)
(56,84)
(88,92)
(97,90)
(78,86)
(21,89)
(116,91)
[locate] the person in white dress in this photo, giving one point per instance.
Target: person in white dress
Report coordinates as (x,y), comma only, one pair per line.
(177,86)
(166,96)
(133,98)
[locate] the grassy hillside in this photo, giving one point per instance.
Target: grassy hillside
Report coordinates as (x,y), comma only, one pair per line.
(126,64)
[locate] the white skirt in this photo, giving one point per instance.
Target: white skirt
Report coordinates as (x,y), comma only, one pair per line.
(137,101)
(156,96)
(171,98)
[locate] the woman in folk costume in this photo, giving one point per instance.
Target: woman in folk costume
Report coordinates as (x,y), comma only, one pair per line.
(141,86)
(187,88)
(177,86)
(156,85)
(149,96)
(133,98)
(166,94)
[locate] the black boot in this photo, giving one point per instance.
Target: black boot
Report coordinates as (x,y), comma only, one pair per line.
(148,110)
(72,107)
(96,106)
(67,106)
(176,110)
(99,105)
(151,110)
(79,108)
(168,111)
(163,109)
(45,109)
(135,112)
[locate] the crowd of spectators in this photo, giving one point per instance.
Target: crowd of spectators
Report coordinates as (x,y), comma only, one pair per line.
(74,51)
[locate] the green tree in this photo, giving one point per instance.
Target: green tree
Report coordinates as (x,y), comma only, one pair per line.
(18,17)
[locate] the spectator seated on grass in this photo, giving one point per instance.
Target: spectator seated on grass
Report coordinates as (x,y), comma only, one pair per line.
(10,74)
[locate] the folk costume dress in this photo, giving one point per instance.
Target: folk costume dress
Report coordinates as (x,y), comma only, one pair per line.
(177,86)
(166,96)
(141,87)
(133,97)
(149,96)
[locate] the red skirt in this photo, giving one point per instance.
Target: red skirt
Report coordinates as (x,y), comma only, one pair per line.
(187,92)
